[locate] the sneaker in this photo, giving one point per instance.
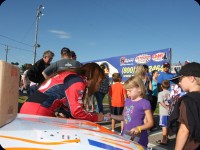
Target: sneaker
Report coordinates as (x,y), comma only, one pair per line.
(149,148)
(121,133)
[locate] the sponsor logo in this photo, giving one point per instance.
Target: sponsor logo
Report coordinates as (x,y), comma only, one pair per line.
(68,64)
(122,60)
(159,56)
(142,59)
(126,61)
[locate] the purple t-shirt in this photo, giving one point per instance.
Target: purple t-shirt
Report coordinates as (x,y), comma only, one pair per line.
(134,116)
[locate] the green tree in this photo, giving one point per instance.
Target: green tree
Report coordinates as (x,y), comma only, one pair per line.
(16,63)
(23,67)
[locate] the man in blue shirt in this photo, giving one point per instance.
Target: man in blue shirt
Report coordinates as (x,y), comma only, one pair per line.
(165,75)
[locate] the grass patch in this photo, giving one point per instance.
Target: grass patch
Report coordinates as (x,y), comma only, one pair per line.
(105,100)
(22,99)
(157,109)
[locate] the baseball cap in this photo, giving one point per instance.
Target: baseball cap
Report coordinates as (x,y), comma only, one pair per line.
(166,65)
(191,69)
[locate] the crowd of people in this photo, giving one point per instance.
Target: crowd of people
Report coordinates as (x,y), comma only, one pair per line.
(59,89)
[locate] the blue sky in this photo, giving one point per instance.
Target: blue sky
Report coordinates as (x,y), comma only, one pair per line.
(97,29)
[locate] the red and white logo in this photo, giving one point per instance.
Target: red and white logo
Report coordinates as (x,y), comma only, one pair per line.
(122,60)
(142,59)
(159,56)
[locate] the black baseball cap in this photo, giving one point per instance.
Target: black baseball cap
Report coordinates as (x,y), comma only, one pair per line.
(191,69)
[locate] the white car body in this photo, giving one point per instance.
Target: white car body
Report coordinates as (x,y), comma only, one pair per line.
(40,132)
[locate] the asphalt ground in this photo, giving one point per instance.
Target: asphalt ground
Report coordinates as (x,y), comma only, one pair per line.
(154,135)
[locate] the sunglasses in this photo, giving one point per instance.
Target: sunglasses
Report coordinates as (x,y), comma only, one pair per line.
(166,67)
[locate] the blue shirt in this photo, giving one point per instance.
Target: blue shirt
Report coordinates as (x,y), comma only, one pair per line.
(154,88)
(165,76)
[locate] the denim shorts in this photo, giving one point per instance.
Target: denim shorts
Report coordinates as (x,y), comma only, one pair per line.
(163,121)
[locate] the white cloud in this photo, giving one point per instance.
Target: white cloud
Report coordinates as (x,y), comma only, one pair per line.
(61,34)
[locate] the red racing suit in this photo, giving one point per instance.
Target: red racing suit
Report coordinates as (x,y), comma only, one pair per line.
(65,88)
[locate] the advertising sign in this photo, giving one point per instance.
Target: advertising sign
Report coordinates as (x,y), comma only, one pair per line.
(126,64)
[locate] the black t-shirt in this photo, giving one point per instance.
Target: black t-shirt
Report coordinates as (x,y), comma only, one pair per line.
(35,72)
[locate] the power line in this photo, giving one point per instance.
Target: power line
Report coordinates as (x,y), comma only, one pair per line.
(15,54)
(16,47)
(16,40)
(21,49)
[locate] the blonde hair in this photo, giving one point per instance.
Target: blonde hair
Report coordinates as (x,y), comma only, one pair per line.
(140,71)
(137,82)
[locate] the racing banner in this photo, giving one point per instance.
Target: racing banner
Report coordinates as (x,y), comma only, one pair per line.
(126,64)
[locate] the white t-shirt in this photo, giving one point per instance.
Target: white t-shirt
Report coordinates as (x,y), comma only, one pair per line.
(164,97)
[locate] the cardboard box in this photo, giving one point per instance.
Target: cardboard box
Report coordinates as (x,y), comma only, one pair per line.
(9,92)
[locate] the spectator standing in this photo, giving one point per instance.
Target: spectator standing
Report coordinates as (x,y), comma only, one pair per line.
(176,91)
(66,53)
(165,75)
(117,95)
(164,102)
(73,54)
(154,90)
(187,112)
(137,114)
(140,72)
(35,72)
(103,89)
(146,68)
(25,80)
(64,63)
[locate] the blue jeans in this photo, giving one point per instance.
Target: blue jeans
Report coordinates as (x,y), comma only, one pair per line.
(99,97)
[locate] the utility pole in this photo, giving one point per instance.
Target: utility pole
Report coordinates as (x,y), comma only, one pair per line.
(36,45)
(6,52)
